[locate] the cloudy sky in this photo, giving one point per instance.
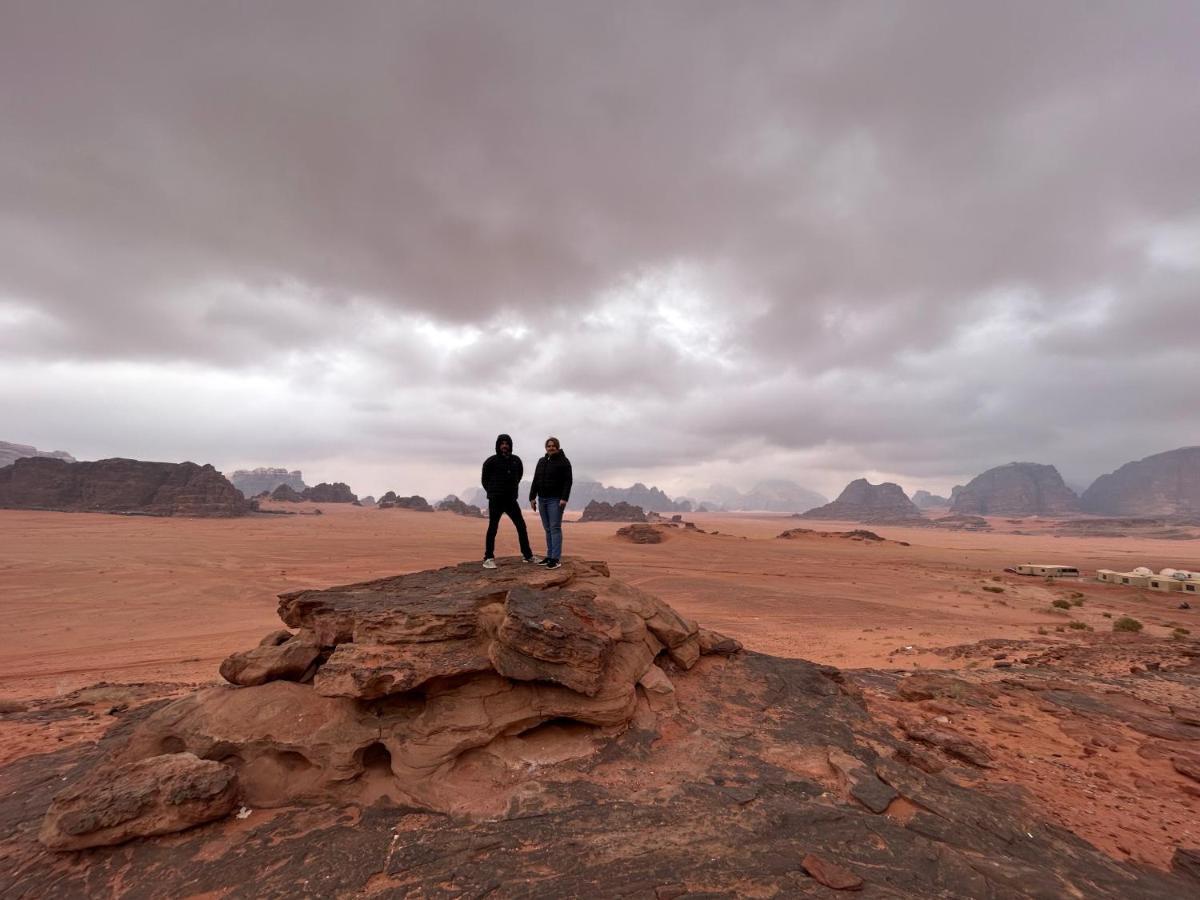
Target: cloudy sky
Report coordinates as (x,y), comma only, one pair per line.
(699,242)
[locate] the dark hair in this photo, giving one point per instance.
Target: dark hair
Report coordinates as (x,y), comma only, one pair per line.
(557,443)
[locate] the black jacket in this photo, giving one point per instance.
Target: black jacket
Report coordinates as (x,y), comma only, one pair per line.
(552,477)
(502,474)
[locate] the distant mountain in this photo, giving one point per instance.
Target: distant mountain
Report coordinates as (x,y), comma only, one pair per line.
(925,500)
(861,501)
(1165,484)
(1016,489)
(252,482)
(584,491)
(772,495)
(10,453)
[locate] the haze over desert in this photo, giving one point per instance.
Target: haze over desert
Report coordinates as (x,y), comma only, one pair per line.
(599,450)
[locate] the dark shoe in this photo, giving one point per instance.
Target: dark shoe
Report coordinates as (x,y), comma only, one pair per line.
(553,564)
(545,562)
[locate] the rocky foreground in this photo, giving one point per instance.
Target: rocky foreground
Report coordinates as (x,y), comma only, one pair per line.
(533,733)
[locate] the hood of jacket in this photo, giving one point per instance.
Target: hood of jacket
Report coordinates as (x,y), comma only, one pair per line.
(500,438)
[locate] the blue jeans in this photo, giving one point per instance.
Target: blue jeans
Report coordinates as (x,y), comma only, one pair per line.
(551,514)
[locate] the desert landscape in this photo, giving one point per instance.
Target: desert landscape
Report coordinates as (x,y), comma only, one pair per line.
(1030,693)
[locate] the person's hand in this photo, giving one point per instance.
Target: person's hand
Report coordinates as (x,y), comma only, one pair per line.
(562,504)
(533,505)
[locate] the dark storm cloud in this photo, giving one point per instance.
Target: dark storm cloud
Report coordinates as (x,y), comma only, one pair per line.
(907,229)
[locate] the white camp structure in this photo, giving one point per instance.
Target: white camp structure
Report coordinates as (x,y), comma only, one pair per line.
(1048,571)
(1166,580)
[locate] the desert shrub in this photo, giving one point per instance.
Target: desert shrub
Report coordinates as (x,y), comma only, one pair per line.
(1060,628)
(1060,603)
(993,588)
(1182,631)
(1074,595)
(1106,615)
(1127,623)
(1042,630)
(1079,626)
(1077,601)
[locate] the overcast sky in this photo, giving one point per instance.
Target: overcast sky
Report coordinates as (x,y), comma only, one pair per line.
(699,242)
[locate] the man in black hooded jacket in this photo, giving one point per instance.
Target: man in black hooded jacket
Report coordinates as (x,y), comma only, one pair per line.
(501,478)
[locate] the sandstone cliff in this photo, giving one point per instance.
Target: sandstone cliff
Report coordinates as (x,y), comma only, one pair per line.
(252,482)
(862,501)
(120,486)
(1166,484)
(1016,489)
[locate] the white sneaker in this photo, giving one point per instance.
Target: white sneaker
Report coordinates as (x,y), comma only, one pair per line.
(489,564)
(531,559)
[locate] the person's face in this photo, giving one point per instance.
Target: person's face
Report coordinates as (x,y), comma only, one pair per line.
(505,447)
(551,448)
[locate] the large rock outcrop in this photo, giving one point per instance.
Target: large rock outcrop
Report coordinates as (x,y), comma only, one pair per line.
(10,453)
(120,486)
(252,482)
(458,507)
(399,680)
(338,492)
(599,511)
(414,503)
(862,501)
(1016,489)
(926,500)
(1166,484)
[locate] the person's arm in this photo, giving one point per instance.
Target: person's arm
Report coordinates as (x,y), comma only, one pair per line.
(483,475)
(566,491)
(533,485)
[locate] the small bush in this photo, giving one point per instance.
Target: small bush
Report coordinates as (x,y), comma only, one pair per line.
(1059,628)
(1079,626)
(1061,604)
(1077,601)
(1127,623)
(1106,615)
(1074,595)
(993,588)
(1042,630)
(1182,631)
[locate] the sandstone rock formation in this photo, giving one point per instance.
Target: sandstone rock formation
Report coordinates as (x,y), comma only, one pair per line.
(157,795)
(252,482)
(458,507)
(1016,489)
(1166,484)
(287,494)
(120,486)
(10,453)
(642,534)
(404,677)
(926,500)
(862,501)
(599,511)
(416,502)
(338,492)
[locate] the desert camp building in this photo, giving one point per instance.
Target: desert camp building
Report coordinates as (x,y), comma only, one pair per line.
(1166,580)
(1048,570)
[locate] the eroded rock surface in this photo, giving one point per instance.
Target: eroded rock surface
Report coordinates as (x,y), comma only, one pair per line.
(158,795)
(1016,489)
(861,501)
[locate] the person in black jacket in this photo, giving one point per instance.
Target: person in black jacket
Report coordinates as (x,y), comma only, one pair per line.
(551,489)
(501,478)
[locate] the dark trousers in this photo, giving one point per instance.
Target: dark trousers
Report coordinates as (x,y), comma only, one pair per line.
(512,509)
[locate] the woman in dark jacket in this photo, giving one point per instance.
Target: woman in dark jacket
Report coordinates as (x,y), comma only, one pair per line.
(549,493)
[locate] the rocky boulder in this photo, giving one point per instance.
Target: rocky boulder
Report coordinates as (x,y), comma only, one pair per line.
(157,795)
(120,486)
(416,502)
(338,492)
(1016,489)
(1166,484)
(402,678)
(862,501)
(642,534)
(458,507)
(599,511)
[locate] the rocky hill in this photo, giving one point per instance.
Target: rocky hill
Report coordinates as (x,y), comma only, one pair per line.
(599,511)
(452,504)
(862,501)
(10,453)
(1166,484)
(120,486)
(338,492)
(1016,489)
(252,482)
(926,500)
(771,495)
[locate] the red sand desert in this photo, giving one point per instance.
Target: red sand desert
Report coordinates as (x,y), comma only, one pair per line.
(93,598)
